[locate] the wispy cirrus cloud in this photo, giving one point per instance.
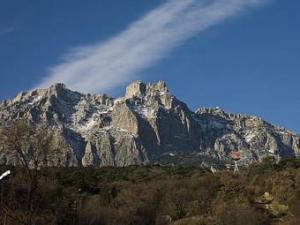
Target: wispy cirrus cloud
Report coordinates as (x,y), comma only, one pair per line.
(106,65)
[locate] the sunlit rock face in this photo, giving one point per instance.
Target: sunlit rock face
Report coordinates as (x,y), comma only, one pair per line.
(147,125)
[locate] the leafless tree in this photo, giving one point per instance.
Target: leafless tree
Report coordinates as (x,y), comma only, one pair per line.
(31,147)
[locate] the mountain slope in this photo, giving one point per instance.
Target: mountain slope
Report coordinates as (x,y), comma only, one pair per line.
(147,125)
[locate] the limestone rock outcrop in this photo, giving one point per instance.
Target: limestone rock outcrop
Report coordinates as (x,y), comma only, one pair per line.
(147,125)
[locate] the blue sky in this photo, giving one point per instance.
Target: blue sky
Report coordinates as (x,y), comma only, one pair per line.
(246,61)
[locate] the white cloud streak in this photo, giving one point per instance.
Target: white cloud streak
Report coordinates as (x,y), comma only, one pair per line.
(100,67)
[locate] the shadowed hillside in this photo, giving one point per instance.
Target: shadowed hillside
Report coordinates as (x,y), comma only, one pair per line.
(266,193)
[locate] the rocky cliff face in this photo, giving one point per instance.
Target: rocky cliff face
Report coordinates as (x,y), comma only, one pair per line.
(147,125)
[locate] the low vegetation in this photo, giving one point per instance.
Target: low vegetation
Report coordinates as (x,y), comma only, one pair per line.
(266,193)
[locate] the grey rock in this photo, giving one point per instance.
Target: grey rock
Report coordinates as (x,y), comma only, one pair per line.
(147,125)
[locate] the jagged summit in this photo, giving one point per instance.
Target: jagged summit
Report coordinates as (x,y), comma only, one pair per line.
(147,125)
(138,89)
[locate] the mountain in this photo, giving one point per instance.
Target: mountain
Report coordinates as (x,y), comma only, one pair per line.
(147,125)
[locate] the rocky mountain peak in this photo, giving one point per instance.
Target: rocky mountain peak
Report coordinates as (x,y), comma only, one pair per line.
(60,91)
(135,89)
(57,88)
(140,89)
(148,124)
(160,86)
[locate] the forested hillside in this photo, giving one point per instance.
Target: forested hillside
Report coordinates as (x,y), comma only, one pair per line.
(266,193)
